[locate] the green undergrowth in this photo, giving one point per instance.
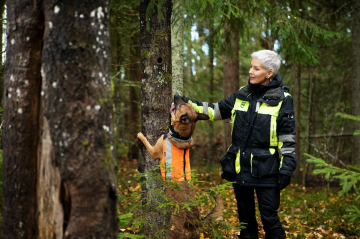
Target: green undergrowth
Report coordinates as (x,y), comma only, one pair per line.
(303,212)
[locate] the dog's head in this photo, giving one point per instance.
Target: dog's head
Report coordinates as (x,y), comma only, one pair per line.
(184,117)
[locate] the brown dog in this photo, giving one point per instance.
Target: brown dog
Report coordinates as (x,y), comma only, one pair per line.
(183,121)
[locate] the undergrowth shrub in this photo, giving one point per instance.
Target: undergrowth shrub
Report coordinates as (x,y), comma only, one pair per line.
(133,212)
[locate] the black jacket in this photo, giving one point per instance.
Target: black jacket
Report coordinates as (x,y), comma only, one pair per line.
(263,133)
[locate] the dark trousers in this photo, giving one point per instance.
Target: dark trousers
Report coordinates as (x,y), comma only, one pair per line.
(269,201)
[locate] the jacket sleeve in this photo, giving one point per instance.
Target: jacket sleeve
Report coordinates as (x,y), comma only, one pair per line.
(286,132)
(215,111)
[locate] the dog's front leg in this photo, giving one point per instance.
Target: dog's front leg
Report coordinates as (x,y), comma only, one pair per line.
(156,151)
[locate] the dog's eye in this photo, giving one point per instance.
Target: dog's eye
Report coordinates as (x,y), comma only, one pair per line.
(185,120)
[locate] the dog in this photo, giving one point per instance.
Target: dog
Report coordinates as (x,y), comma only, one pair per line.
(184,224)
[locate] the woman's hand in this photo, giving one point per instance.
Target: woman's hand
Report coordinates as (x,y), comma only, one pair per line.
(283,181)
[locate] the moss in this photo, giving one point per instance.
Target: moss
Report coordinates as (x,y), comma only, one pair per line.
(85,144)
(103,101)
(145,54)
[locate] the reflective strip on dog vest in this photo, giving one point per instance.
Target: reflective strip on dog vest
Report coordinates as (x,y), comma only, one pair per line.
(168,159)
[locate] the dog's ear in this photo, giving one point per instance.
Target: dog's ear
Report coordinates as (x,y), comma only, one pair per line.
(201,116)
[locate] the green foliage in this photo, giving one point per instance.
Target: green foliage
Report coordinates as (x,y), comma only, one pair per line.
(349,179)
(347,116)
(133,213)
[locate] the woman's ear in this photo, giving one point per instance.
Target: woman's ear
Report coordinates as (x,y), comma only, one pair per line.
(269,74)
(201,116)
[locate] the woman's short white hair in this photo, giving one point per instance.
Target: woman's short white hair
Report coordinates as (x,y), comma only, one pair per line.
(269,59)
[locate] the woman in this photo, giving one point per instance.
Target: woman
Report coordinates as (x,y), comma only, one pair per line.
(262,155)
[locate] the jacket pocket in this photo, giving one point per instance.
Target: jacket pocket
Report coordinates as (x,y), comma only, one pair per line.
(228,163)
(264,165)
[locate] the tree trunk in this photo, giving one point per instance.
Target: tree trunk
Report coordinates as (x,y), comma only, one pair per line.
(134,75)
(210,153)
(177,45)
(156,100)
(60,178)
(21,113)
(356,78)
(231,70)
(297,106)
(310,93)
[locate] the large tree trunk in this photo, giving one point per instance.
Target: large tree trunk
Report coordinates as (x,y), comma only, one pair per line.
(21,113)
(356,77)
(58,91)
(135,75)
(177,48)
(231,70)
(156,100)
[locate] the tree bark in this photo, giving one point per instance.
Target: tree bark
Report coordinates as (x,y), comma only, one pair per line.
(21,112)
(310,93)
(297,107)
(231,70)
(156,100)
(60,178)
(134,75)
(356,77)
(177,48)
(210,153)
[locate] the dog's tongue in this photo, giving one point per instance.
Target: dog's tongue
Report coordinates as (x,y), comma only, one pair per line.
(172,108)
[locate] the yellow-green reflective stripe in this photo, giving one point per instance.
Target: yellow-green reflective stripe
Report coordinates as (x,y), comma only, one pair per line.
(272,150)
(237,162)
(273,135)
(269,110)
(205,109)
(281,161)
(198,109)
(251,162)
(241,105)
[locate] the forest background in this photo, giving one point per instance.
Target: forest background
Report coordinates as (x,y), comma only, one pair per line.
(318,42)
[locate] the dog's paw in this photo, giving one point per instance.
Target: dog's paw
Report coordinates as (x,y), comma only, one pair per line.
(140,135)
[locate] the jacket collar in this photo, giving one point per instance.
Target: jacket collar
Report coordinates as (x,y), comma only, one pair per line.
(270,94)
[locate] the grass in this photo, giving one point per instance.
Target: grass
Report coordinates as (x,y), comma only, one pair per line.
(304,212)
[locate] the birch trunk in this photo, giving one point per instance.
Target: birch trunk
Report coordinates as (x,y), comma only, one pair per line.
(177,45)
(156,101)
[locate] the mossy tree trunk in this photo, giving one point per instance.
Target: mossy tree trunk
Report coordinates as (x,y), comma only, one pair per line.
(156,99)
(177,48)
(60,173)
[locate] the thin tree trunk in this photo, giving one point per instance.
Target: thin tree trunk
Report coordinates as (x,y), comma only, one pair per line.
(156,100)
(231,70)
(177,45)
(310,88)
(356,77)
(135,75)
(188,58)
(210,153)
(21,113)
(297,106)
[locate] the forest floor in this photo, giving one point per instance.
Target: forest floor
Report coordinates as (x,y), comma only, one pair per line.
(304,212)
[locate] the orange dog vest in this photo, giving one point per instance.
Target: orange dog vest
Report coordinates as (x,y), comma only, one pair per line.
(175,163)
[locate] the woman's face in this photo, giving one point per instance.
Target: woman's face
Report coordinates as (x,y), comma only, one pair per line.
(258,74)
